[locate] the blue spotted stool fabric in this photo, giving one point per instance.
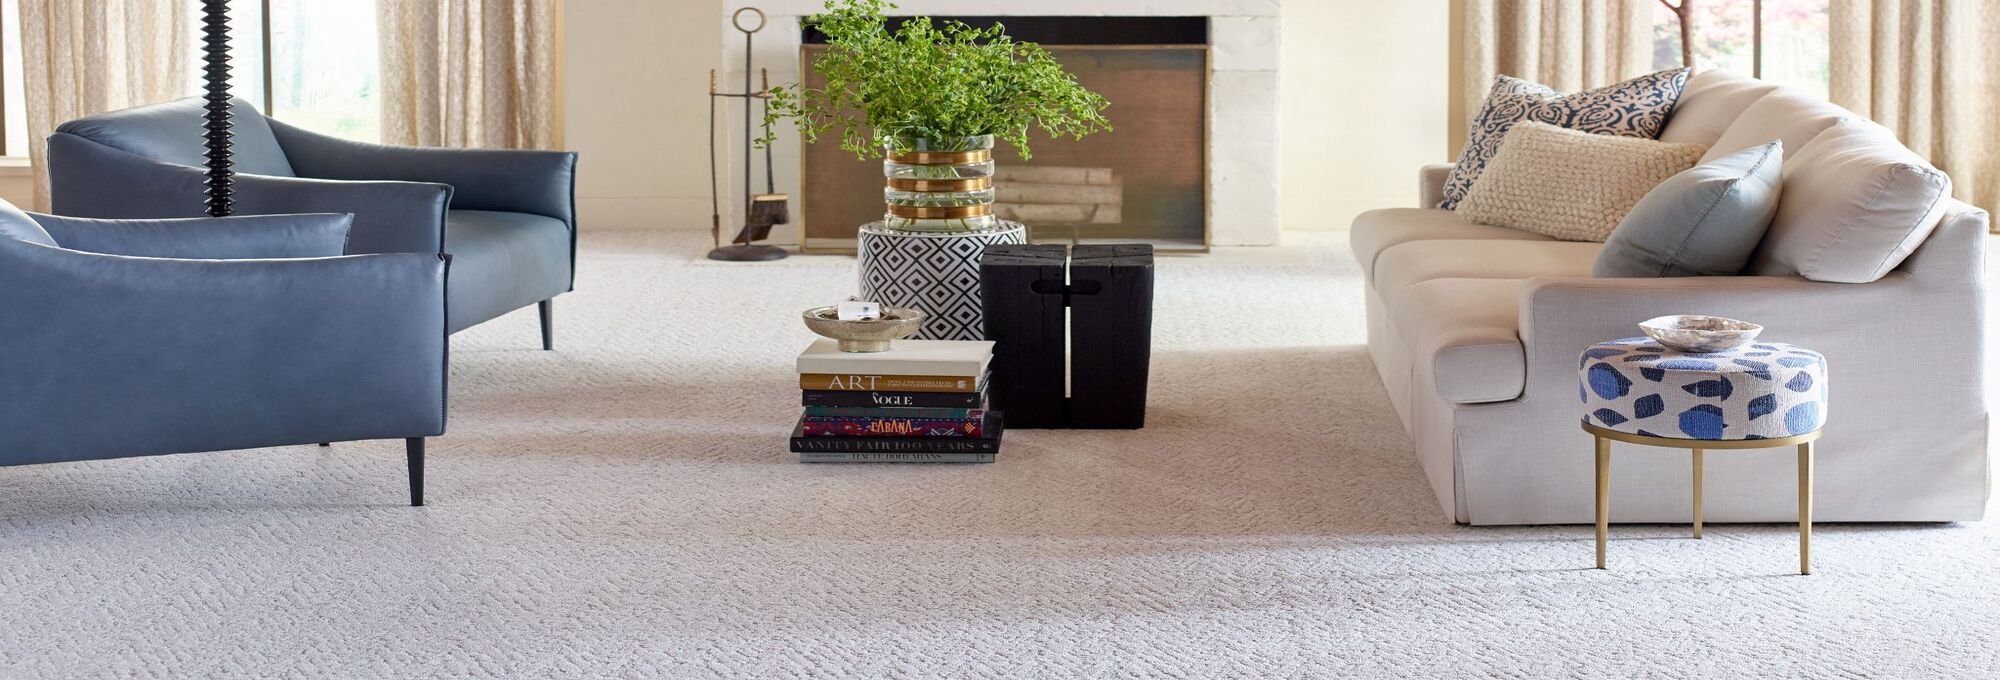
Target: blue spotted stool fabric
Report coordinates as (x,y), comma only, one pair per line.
(1763,390)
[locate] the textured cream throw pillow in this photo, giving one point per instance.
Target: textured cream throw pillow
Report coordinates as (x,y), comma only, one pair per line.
(1570,185)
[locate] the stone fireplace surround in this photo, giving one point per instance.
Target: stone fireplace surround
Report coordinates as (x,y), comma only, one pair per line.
(1243,96)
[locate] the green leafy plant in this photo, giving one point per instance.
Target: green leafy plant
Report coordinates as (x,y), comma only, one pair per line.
(941,82)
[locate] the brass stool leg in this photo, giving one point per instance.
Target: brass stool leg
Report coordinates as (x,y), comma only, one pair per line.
(1603,496)
(1697,493)
(1805,507)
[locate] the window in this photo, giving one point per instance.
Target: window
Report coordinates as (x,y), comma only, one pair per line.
(1796,50)
(321,71)
(13,94)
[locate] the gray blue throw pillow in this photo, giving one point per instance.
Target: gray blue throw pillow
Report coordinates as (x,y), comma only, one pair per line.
(1705,221)
(1634,108)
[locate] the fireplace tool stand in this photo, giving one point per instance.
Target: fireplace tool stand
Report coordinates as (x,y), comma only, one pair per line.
(760,211)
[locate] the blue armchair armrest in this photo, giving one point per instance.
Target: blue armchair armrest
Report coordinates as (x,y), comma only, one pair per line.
(94,180)
(509,180)
(108,356)
(204,238)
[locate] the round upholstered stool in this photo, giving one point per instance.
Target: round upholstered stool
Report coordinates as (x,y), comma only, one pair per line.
(1758,396)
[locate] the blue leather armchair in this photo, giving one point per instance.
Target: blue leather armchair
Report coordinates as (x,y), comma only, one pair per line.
(507,217)
(148,337)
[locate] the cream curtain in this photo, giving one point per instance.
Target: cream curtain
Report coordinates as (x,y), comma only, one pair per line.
(1565,44)
(1930,70)
(80,58)
(470,73)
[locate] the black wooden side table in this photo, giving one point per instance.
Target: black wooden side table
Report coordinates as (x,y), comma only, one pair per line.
(1095,299)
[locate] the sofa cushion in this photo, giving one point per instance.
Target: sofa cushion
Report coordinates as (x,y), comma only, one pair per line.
(1567,184)
(1464,335)
(502,261)
(1855,204)
(1786,114)
(1713,99)
(1634,108)
(1703,222)
(1418,261)
(1377,230)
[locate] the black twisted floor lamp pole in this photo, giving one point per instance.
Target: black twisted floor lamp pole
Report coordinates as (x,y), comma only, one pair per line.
(220,187)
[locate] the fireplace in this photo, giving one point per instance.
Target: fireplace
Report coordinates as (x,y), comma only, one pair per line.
(1144,181)
(1192,161)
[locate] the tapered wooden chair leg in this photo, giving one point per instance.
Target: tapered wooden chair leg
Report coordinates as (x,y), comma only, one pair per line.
(414,448)
(548,309)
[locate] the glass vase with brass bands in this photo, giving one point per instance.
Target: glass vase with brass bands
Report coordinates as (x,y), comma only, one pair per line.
(939,185)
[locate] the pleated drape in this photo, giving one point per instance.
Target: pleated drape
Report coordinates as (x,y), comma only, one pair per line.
(469,73)
(1930,71)
(81,58)
(1565,44)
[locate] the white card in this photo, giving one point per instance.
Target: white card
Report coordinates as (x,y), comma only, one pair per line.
(858,311)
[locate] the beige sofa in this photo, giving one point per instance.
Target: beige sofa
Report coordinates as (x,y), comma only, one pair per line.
(1476,332)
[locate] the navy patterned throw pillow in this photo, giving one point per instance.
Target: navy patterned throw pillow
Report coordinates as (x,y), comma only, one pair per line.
(1634,108)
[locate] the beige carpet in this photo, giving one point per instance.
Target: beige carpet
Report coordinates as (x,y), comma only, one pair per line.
(624,507)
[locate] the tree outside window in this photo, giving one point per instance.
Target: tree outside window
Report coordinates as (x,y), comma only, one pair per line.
(1795,45)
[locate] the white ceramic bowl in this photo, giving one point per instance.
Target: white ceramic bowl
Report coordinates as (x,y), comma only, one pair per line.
(1698,333)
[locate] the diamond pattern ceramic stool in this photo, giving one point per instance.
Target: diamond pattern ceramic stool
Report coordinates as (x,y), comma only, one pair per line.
(1759,396)
(936,272)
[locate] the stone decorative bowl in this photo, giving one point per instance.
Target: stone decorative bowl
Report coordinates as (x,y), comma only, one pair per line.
(873,335)
(1697,333)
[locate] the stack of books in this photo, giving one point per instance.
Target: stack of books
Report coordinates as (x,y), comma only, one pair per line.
(922,401)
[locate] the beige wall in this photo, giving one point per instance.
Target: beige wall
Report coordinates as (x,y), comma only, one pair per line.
(17,187)
(1365,88)
(635,78)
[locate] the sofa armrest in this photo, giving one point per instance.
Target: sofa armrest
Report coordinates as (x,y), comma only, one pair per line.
(508,180)
(1430,183)
(1937,296)
(250,237)
(1562,316)
(111,356)
(389,217)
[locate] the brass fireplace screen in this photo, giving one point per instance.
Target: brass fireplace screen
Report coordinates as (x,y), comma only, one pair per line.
(1144,181)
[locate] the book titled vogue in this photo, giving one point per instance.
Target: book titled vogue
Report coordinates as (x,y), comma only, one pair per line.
(845,399)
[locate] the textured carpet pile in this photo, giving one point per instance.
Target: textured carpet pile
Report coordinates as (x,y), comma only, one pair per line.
(625,507)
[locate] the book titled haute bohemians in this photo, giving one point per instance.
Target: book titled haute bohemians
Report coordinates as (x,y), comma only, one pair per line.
(895,458)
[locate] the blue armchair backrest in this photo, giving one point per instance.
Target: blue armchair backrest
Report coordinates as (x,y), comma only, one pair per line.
(171,132)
